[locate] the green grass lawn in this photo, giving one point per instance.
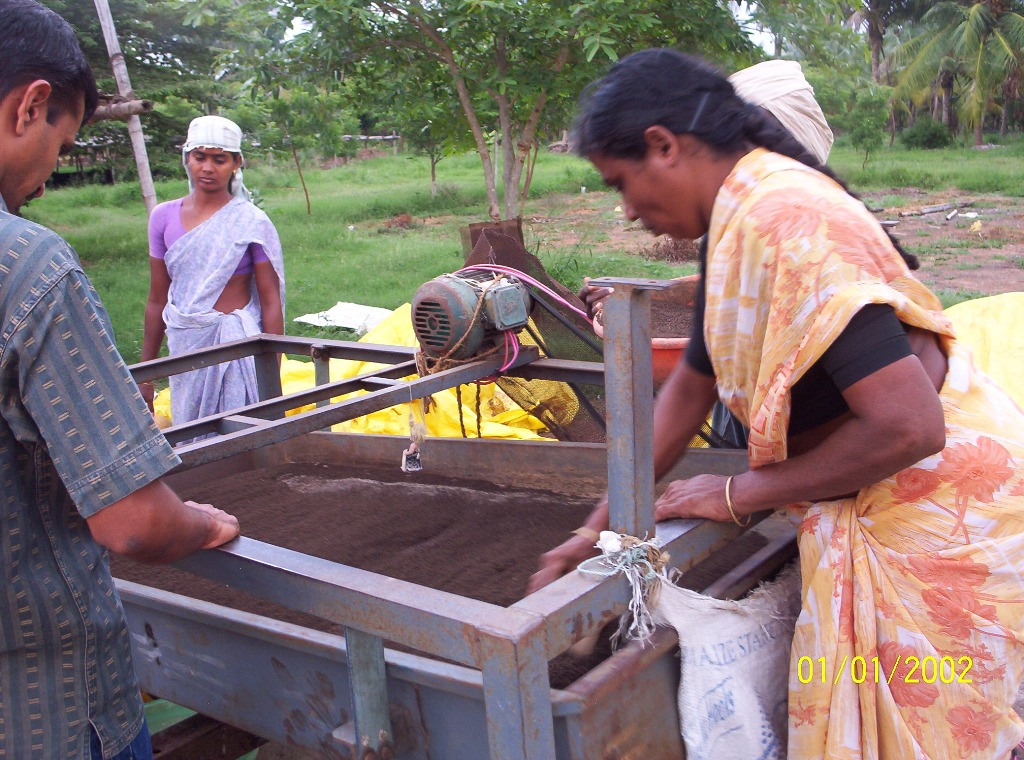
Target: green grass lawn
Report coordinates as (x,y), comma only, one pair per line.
(343,252)
(999,169)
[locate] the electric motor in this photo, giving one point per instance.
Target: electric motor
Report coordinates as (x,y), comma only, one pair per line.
(457,315)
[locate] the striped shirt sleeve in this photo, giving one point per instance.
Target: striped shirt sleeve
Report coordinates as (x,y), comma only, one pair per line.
(81,401)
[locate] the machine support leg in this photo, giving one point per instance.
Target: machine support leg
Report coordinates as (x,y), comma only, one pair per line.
(321,370)
(369,692)
(517,697)
(629,386)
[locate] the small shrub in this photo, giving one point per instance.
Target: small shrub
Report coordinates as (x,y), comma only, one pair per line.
(926,134)
(866,120)
(666,248)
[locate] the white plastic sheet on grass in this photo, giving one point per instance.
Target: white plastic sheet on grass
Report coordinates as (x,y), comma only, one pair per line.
(353,316)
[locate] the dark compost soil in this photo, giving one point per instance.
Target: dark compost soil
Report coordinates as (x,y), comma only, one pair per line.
(671,313)
(474,539)
(670,318)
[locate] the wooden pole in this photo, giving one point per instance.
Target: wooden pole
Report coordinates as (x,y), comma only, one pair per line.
(124,88)
(121,111)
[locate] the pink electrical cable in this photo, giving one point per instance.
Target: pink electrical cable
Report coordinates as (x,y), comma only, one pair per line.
(510,338)
(526,278)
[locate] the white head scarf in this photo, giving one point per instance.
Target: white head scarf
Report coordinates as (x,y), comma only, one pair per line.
(215,132)
(780,88)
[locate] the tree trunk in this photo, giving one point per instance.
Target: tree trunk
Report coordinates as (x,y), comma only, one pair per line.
(433,174)
(493,210)
(124,88)
(947,105)
(875,43)
(1004,118)
(979,132)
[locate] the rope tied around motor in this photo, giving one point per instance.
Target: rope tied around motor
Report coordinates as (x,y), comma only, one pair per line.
(643,563)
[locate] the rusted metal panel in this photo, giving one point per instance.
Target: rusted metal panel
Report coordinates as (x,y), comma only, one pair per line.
(629,704)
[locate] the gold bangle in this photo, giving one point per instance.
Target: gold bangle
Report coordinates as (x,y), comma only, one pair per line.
(729,505)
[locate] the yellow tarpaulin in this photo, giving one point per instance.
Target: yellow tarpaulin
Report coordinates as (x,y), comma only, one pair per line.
(994,329)
(501,417)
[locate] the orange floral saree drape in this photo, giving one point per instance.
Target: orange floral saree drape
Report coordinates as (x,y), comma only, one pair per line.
(910,643)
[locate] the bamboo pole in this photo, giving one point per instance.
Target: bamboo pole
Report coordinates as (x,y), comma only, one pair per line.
(124,88)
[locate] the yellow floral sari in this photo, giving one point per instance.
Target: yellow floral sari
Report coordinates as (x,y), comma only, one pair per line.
(910,643)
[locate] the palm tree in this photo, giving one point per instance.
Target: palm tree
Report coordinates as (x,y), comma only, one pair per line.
(977,43)
(876,16)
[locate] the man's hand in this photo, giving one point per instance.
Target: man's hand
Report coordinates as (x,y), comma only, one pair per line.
(153,525)
(225,526)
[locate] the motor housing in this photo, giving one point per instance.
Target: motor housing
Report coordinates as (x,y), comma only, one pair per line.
(445,311)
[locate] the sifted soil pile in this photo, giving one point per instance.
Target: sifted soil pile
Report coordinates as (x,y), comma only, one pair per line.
(469,538)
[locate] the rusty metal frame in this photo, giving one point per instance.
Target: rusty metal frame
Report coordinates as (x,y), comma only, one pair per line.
(510,647)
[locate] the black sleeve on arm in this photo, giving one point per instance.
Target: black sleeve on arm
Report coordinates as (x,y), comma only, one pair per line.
(873,339)
(697,350)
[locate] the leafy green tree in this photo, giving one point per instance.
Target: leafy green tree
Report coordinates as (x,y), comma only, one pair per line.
(506,61)
(419,106)
(807,30)
(877,16)
(866,121)
(170,63)
(978,45)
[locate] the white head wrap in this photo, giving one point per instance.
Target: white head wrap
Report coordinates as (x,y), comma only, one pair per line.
(215,132)
(780,88)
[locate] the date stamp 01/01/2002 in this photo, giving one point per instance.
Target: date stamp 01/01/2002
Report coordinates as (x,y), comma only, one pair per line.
(928,669)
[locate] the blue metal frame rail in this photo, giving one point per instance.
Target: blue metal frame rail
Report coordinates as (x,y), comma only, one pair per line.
(509,646)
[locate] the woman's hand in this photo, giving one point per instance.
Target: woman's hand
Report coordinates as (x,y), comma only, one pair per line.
(566,556)
(700,496)
(560,561)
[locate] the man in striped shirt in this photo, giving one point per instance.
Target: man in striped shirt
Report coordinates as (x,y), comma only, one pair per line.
(80,455)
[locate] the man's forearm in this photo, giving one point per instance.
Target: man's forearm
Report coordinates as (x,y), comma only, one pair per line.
(153,525)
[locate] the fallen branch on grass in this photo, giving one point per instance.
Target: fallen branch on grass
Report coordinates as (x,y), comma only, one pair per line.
(935,209)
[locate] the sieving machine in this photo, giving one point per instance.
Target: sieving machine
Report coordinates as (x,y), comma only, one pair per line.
(471,681)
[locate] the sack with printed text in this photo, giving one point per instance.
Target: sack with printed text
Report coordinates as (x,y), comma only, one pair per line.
(734,660)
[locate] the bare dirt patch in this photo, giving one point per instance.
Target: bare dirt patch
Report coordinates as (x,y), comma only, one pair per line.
(978,251)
